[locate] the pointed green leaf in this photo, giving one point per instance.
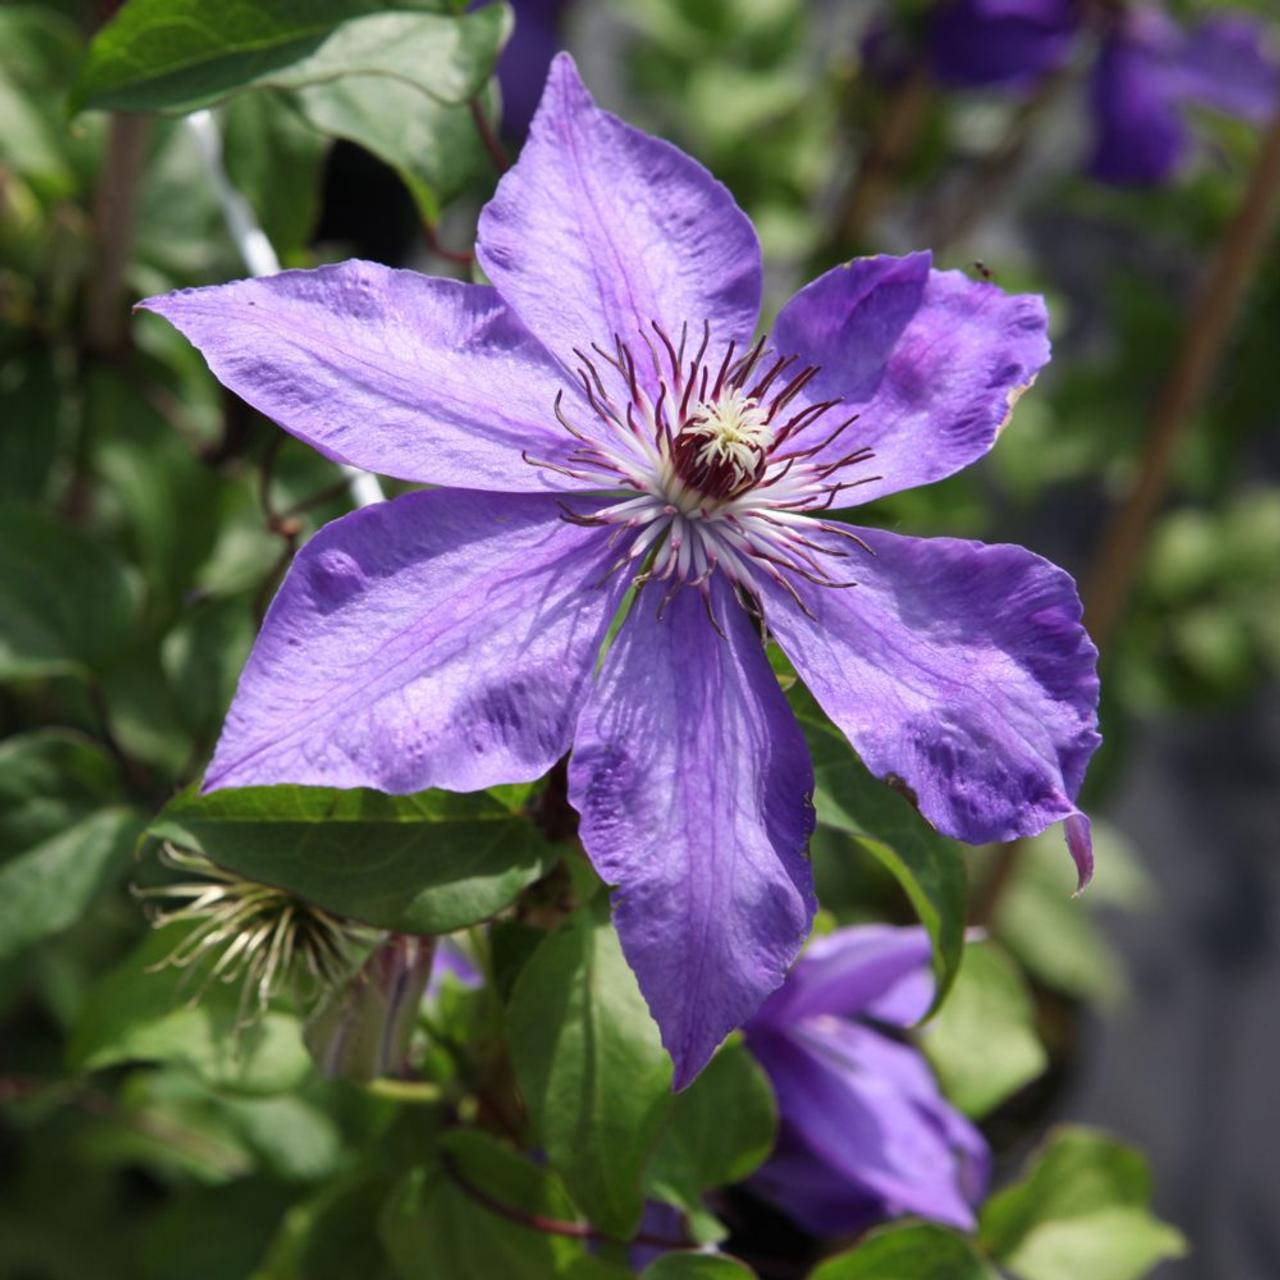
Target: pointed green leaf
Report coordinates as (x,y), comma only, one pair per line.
(1082,1209)
(48,888)
(915,1251)
(721,1129)
(460,1215)
(178,55)
(434,147)
(425,863)
(983,1042)
(65,602)
(49,780)
(591,1066)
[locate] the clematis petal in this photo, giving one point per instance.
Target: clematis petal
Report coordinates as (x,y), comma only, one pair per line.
(694,785)
(932,361)
(845,972)
(960,668)
(866,1109)
(599,229)
(443,639)
(393,371)
(1010,43)
(1231,62)
(1140,135)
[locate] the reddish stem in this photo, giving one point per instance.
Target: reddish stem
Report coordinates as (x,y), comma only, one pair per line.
(497,152)
(539,1222)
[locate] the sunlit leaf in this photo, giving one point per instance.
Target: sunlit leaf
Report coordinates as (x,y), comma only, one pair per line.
(913,1251)
(591,1066)
(177,55)
(426,863)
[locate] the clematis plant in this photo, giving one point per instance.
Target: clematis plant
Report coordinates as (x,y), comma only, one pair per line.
(865,1134)
(1147,69)
(631,490)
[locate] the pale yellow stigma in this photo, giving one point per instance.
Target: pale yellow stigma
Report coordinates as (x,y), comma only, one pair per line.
(733,430)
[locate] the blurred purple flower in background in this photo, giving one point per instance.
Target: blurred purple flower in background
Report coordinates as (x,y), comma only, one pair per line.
(1147,70)
(523,66)
(864,1133)
(600,419)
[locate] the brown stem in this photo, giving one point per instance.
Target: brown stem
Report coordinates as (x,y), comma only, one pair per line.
(894,139)
(497,152)
(459,256)
(538,1222)
(115,207)
(1214,311)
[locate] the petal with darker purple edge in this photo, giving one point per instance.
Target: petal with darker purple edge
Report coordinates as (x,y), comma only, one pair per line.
(859,1111)
(396,372)
(931,361)
(960,667)
(442,639)
(844,972)
(599,230)
(694,785)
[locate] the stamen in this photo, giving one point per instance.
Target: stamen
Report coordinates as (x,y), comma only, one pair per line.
(713,468)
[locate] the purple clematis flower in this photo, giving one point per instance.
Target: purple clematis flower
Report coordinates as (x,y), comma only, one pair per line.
(864,1133)
(1148,69)
(600,422)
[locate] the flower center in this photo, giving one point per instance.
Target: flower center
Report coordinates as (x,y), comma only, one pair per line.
(722,447)
(719,463)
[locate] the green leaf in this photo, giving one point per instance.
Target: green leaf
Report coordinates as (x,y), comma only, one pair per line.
(1111,1244)
(146,1013)
(1054,933)
(591,1065)
(433,147)
(177,55)
(38,52)
(916,1251)
(47,888)
(695,1266)
(276,162)
(886,825)
(202,657)
(721,1129)
(65,603)
(163,496)
(426,863)
(331,1235)
(446,58)
(983,1042)
(1083,1209)
(31,404)
(293,1137)
(441,1220)
(49,780)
